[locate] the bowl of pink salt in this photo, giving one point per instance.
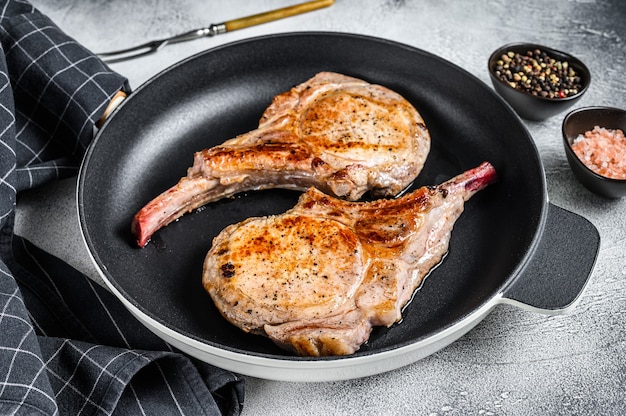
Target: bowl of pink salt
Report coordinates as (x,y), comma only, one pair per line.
(595,146)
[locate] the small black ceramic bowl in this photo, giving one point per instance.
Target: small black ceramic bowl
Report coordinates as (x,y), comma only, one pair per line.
(536,107)
(578,122)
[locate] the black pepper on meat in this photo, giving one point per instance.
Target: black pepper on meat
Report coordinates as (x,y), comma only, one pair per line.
(537,73)
(228,270)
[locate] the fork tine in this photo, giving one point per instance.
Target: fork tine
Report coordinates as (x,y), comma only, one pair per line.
(133,52)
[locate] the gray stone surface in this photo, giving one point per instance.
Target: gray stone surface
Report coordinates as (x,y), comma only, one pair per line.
(514,362)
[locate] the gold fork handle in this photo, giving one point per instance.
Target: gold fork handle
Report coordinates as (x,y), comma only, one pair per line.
(260,18)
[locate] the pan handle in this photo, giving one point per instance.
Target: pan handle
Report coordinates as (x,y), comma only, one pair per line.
(556,275)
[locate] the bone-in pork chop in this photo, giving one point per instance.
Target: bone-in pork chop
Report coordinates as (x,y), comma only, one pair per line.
(317,278)
(339,134)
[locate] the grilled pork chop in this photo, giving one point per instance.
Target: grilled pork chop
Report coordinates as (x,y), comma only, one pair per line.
(317,278)
(337,133)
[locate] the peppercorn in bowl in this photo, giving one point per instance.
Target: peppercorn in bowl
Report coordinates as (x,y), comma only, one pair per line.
(595,146)
(537,81)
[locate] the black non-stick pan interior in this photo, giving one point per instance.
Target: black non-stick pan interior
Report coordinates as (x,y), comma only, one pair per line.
(149,143)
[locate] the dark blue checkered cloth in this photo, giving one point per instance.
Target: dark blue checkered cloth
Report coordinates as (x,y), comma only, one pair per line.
(67,346)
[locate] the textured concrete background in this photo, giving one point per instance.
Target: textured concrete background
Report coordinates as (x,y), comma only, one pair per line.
(513,363)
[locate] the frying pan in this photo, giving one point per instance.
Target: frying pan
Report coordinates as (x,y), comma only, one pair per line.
(511,245)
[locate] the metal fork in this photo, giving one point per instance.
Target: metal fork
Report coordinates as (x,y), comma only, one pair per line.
(212,30)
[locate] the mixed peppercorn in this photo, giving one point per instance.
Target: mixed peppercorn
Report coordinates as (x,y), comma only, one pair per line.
(538,74)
